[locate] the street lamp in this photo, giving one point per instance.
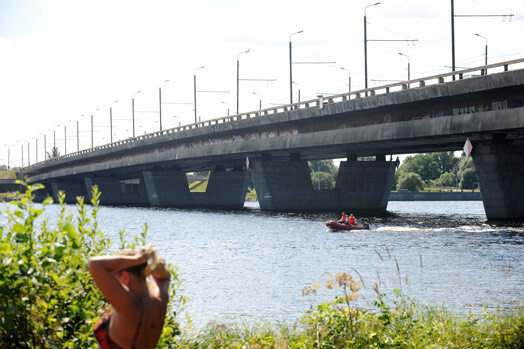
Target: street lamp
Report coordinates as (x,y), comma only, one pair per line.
(409,74)
(349,79)
(486,48)
(291,67)
(366,45)
(160,103)
(222,102)
(133,111)
(298,87)
(238,75)
(111,123)
(259,100)
(194,91)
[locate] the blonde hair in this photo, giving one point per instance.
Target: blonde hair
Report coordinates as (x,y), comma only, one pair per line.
(147,268)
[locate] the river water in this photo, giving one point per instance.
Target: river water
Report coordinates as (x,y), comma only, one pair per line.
(252,266)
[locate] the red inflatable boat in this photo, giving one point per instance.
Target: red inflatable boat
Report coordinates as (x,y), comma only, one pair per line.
(334,225)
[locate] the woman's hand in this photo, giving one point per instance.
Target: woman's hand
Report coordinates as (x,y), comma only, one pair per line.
(160,271)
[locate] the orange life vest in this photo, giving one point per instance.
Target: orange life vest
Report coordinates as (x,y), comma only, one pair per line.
(352,220)
(344,218)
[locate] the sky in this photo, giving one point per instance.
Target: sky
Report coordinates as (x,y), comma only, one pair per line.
(62,61)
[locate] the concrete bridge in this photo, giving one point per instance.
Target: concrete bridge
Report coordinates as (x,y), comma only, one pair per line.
(436,113)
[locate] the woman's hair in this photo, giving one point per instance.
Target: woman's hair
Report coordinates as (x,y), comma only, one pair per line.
(144,269)
(137,270)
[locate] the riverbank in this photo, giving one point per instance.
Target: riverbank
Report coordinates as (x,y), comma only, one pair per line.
(402,324)
(435,196)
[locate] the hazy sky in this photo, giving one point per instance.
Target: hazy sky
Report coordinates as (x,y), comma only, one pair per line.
(63,60)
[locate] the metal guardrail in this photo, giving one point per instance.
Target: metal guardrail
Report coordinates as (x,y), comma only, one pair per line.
(319,103)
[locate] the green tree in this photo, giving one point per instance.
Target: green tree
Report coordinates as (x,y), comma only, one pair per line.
(446,179)
(3,168)
(447,161)
(322,181)
(468,179)
(323,166)
(55,153)
(425,165)
(323,174)
(410,181)
(466,173)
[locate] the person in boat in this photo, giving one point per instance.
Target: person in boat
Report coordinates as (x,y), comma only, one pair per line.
(344,219)
(352,220)
(138,310)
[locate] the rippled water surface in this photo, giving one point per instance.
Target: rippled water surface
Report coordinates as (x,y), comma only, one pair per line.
(250,265)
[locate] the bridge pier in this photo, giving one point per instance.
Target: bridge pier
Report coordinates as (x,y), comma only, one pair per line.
(362,186)
(72,189)
(500,173)
(365,185)
(225,189)
(118,192)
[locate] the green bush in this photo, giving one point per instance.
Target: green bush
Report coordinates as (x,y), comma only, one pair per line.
(446,179)
(410,181)
(47,296)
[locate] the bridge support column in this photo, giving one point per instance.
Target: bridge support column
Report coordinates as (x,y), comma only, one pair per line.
(118,192)
(500,172)
(72,189)
(365,185)
(284,185)
(225,189)
(287,186)
(166,187)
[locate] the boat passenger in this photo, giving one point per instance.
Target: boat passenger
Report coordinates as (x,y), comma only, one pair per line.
(138,313)
(352,220)
(344,219)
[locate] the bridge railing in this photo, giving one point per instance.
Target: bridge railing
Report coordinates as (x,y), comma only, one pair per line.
(313,103)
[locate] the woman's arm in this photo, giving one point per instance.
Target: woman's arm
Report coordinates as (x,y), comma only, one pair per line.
(159,284)
(102,268)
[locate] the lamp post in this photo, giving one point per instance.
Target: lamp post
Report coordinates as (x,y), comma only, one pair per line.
(77,136)
(453,37)
(486,48)
(222,102)
(111,123)
(366,45)
(291,67)
(409,74)
(159,105)
(36,149)
(349,78)
(238,75)
(298,90)
(259,100)
(45,147)
(194,91)
(133,110)
(92,145)
(65,140)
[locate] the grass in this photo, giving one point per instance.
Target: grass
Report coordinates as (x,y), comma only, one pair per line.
(397,322)
(402,326)
(7,175)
